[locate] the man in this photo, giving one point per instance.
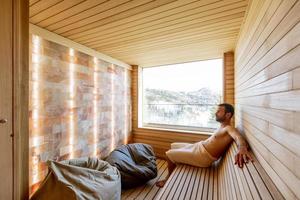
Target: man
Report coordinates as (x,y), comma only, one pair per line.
(204,153)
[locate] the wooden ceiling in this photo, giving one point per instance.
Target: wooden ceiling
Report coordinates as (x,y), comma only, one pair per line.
(145,32)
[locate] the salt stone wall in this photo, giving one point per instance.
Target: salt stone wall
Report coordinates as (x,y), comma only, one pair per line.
(79,106)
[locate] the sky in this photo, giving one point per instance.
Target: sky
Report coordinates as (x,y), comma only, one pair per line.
(186,76)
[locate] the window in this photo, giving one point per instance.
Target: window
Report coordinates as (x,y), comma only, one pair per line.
(182,96)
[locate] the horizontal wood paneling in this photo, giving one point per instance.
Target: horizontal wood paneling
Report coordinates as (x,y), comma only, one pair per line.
(267,74)
(161,140)
(146,32)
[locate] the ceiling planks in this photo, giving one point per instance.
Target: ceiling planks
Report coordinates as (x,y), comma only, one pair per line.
(145,32)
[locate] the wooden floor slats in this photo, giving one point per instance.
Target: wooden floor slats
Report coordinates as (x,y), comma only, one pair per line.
(149,190)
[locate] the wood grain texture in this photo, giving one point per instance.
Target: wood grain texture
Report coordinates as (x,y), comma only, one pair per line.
(21,99)
(228,79)
(267,89)
(223,180)
(146,32)
(6,101)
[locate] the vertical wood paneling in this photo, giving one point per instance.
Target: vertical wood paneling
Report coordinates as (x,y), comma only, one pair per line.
(21,99)
(267,89)
(228,91)
(134,93)
(6,101)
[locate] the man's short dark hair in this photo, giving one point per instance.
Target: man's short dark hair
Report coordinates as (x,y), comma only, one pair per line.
(228,108)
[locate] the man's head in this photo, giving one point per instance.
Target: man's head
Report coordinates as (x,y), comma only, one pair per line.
(224,112)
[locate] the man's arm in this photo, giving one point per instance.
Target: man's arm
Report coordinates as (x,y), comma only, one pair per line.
(243,155)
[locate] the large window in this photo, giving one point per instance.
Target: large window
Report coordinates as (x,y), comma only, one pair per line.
(182,96)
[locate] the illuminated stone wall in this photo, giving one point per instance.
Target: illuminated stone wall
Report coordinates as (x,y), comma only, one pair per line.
(79,106)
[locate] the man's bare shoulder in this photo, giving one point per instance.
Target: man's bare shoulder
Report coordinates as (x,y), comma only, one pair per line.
(229,127)
(222,131)
(225,129)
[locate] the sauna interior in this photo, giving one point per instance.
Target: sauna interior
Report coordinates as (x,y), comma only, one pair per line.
(74,83)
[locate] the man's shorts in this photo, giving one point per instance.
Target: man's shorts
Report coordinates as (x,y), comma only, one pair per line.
(191,154)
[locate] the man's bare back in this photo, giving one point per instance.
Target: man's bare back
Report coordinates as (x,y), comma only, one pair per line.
(218,142)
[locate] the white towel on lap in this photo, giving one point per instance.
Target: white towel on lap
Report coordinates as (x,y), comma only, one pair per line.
(191,154)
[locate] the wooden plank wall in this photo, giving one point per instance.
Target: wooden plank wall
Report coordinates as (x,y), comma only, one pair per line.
(228,76)
(160,140)
(267,89)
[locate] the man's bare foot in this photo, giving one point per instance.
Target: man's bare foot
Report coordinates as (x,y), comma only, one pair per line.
(161,183)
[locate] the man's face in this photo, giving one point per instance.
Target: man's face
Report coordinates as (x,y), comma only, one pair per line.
(220,114)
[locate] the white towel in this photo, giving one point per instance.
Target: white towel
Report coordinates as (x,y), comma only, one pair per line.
(191,154)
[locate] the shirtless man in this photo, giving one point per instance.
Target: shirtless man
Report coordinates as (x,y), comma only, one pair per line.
(204,153)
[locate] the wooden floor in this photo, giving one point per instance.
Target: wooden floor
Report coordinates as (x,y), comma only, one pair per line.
(149,190)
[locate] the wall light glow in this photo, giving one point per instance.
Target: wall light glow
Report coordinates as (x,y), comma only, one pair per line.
(71,103)
(125,107)
(95,107)
(112,146)
(36,50)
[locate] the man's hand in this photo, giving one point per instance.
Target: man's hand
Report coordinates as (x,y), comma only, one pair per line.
(242,156)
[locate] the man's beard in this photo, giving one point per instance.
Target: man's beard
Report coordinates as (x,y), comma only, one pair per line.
(220,119)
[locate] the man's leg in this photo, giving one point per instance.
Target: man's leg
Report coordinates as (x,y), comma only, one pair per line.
(171,167)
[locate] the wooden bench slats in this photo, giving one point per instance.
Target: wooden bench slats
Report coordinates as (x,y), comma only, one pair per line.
(172,181)
(192,183)
(234,178)
(187,183)
(239,180)
(227,189)
(223,181)
(180,179)
(201,184)
(268,183)
(223,187)
(232,188)
(249,180)
(205,184)
(260,186)
(215,189)
(226,186)
(196,185)
(182,182)
(211,185)
(220,184)
(240,174)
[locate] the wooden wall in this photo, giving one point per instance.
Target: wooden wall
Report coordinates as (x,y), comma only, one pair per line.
(228,77)
(267,89)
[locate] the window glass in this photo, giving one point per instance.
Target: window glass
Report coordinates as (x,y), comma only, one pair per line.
(182,96)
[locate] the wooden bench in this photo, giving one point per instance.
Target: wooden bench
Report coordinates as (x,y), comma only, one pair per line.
(223,180)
